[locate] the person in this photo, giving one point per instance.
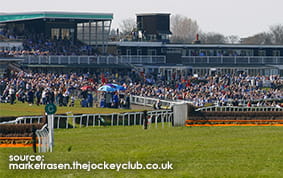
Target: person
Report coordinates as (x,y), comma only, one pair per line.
(84,103)
(44,96)
(72,104)
(60,98)
(38,96)
(115,100)
(66,97)
(108,100)
(128,104)
(12,95)
(30,97)
(235,102)
(157,105)
(122,101)
(249,104)
(145,120)
(102,103)
(90,100)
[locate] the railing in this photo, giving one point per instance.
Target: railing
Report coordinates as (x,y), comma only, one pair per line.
(167,104)
(43,139)
(147,101)
(238,109)
(235,60)
(92,120)
(25,120)
(163,116)
(151,59)
(142,59)
(67,60)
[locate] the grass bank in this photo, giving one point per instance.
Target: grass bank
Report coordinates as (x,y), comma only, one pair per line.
(194,152)
(23,109)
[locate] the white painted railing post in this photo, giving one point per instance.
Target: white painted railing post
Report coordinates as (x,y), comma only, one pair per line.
(112,117)
(93,120)
(118,116)
(156,118)
(58,122)
(87,120)
(123,119)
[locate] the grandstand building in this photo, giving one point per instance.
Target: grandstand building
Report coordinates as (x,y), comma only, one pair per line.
(204,58)
(50,33)
(87,28)
(67,41)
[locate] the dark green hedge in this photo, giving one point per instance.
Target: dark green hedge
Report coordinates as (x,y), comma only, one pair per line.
(18,130)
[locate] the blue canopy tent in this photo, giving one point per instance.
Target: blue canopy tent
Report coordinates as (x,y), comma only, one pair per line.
(106,88)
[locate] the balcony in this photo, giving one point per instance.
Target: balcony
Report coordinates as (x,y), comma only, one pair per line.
(232,60)
(69,60)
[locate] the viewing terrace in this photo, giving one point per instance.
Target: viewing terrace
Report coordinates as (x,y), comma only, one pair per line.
(154,59)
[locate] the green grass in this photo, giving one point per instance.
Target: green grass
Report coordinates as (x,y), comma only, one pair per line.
(23,109)
(194,152)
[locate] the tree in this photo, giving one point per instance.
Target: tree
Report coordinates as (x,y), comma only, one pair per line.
(127,26)
(183,29)
(260,38)
(233,39)
(114,35)
(212,38)
(273,36)
(276,32)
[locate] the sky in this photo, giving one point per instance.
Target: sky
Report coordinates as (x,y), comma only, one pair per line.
(229,17)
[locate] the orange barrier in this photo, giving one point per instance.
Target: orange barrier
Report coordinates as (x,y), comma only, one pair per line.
(234,124)
(234,121)
(15,144)
(15,138)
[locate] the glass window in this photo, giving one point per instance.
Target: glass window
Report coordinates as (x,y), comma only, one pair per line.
(152,52)
(276,53)
(65,33)
(261,52)
(55,33)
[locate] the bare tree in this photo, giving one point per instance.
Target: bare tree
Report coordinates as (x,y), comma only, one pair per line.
(127,26)
(183,29)
(233,39)
(277,34)
(114,35)
(212,38)
(260,38)
(273,36)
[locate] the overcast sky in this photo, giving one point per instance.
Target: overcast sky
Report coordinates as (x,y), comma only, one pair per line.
(229,17)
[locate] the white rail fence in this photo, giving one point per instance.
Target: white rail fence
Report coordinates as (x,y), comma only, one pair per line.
(167,104)
(147,101)
(92,120)
(239,109)
(25,120)
(43,139)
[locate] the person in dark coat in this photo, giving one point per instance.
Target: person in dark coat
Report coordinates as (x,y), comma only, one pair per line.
(30,97)
(128,104)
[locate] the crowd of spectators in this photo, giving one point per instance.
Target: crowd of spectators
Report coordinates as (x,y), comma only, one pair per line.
(40,44)
(220,90)
(63,89)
